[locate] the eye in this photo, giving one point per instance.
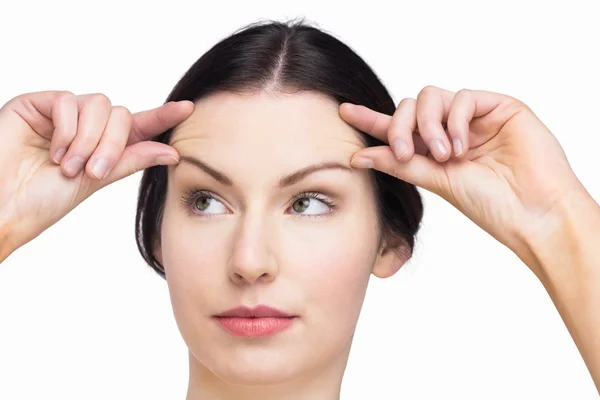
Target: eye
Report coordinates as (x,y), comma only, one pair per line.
(311,203)
(202,202)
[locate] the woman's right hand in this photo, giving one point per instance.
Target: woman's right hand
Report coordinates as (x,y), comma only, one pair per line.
(100,144)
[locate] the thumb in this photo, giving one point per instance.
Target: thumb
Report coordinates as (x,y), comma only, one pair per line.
(420,170)
(140,156)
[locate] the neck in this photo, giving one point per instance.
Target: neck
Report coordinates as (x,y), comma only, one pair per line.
(320,383)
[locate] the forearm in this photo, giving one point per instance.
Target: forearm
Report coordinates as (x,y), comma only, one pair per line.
(566,259)
(6,245)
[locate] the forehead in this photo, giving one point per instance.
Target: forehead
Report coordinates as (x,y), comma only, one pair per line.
(280,122)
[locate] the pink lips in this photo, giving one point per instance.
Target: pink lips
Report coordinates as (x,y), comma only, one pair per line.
(254,322)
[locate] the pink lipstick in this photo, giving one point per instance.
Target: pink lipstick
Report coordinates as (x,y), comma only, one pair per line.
(254,322)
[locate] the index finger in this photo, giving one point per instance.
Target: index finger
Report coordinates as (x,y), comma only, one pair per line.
(150,123)
(366,120)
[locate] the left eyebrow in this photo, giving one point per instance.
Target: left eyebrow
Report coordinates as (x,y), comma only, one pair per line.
(297,176)
(285,181)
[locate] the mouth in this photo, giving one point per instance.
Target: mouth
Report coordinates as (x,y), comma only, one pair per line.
(255,322)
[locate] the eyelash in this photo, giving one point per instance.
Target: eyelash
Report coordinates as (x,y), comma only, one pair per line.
(193,194)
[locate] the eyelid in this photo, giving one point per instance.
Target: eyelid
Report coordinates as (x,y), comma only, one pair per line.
(316,195)
(312,194)
(193,193)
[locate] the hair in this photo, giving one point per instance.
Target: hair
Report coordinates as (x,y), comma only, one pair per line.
(284,56)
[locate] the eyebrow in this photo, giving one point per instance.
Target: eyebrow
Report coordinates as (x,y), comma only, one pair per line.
(285,181)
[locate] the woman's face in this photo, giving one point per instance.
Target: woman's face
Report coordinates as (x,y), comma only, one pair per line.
(264,209)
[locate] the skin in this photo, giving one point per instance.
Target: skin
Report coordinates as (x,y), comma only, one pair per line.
(252,247)
(36,191)
(512,179)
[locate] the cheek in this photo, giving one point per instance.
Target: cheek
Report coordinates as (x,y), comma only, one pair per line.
(194,256)
(333,263)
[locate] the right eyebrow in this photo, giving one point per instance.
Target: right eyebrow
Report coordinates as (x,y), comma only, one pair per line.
(220,177)
(287,180)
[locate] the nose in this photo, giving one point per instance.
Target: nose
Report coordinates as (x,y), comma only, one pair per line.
(251,260)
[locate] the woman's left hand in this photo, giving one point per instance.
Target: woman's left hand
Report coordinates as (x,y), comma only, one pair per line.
(510,175)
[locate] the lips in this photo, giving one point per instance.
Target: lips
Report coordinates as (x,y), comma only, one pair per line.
(256,312)
(255,322)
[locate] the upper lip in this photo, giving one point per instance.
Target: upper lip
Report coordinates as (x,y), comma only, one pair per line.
(256,312)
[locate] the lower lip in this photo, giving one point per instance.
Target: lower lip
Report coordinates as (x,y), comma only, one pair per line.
(255,327)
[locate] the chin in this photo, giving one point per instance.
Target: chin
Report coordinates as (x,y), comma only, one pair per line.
(256,377)
(258,366)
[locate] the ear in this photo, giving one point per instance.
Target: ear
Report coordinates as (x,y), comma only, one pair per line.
(393,254)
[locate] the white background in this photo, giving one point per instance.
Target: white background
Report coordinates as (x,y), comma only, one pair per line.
(82,317)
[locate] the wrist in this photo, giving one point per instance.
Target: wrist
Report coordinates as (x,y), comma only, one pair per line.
(555,248)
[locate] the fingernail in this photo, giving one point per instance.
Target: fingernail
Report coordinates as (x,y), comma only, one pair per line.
(100,167)
(437,148)
(74,165)
(400,148)
(458,149)
(362,162)
(59,155)
(166,160)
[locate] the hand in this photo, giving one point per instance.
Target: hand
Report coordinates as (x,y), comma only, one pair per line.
(509,176)
(40,183)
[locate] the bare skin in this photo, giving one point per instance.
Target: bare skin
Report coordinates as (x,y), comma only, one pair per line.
(511,177)
(513,180)
(35,190)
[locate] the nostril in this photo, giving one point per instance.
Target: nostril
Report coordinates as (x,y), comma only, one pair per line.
(242,278)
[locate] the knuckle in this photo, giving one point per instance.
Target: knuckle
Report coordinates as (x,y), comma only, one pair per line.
(516,103)
(65,95)
(136,164)
(439,181)
(513,106)
(396,171)
(375,122)
(428,90)
(111,146)
(466,93)
(122,109)
(161,119)
(86,141)
(84,145)
(123,113)
(406,102)
(427,126)
(99,99)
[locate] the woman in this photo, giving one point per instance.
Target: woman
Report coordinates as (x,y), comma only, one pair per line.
(278,177)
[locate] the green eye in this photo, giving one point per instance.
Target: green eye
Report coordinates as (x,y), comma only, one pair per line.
(202,203)
(301,205)
(311,204)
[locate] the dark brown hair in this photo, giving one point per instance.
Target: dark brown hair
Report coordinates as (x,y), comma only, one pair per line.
(288,56)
